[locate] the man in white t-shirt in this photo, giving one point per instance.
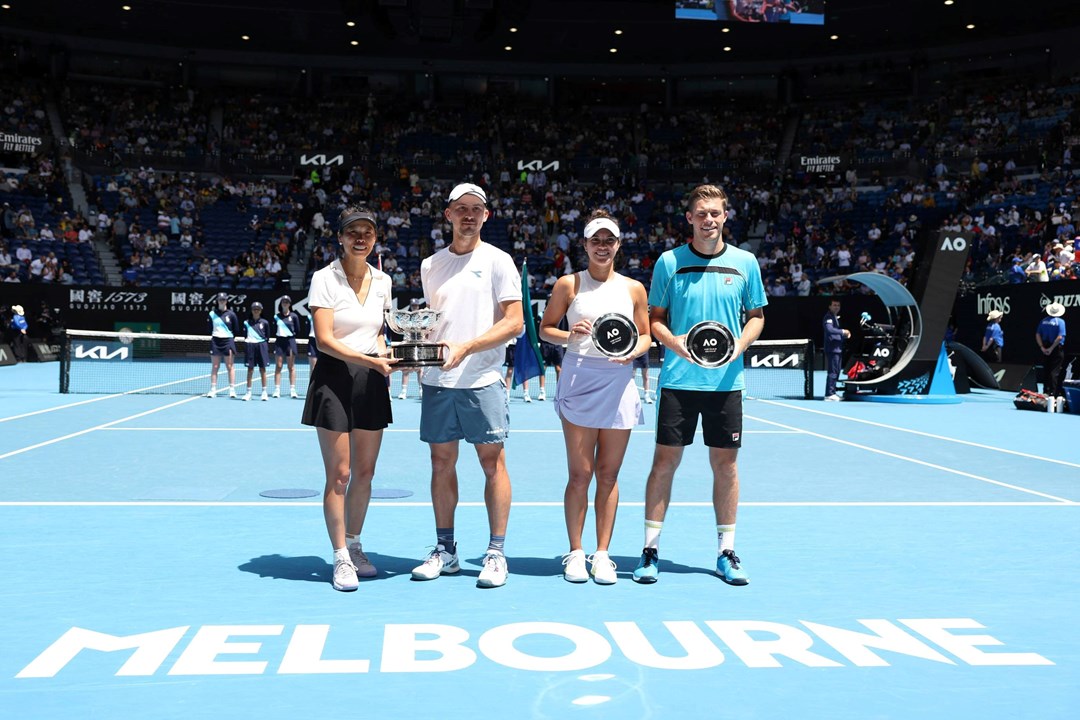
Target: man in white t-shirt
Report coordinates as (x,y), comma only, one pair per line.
(478,290)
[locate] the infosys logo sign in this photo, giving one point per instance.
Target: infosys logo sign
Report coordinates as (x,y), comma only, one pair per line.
(985,303)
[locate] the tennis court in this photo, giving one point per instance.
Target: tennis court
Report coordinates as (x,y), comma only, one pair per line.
(906,561)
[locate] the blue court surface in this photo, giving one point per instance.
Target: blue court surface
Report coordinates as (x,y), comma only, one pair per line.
(906,562)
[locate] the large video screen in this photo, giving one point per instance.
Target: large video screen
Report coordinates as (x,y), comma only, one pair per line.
(792,12)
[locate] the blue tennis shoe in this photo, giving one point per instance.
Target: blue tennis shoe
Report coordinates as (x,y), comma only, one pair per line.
(648,568)
(729,569)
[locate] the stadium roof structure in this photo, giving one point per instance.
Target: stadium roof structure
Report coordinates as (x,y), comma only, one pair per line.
(641,32)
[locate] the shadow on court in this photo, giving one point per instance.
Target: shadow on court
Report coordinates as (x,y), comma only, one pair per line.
(317,569)
(553,567)
(309,568)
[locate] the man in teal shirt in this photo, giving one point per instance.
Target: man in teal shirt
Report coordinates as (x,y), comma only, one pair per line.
(706,279)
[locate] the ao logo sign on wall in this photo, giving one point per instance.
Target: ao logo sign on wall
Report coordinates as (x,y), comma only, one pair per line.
(956,244)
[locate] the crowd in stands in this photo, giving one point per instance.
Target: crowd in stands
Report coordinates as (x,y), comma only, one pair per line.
(136,126)
(174,228)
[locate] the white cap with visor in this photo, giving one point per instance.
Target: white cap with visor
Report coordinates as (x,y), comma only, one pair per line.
(600,223)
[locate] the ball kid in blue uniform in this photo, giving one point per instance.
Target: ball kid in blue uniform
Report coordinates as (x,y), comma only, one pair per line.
(287,327)
(224,325)
(257,352)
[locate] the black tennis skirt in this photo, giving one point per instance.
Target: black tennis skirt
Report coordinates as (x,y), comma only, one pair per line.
(345,396)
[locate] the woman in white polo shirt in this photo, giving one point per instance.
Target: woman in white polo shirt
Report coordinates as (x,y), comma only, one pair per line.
(348,400)
(596,397)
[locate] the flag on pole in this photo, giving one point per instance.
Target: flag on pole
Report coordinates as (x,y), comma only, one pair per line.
(528,361)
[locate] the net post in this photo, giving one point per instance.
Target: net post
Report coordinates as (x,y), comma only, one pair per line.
(65,362)
(808,373)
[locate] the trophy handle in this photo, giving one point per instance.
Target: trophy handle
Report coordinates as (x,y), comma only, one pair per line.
(388,316)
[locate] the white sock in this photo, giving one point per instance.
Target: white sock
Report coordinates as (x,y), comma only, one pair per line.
(652,533)
(725,538)
(351,540)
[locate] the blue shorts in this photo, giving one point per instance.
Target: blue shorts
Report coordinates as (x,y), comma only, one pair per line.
(552,354)
(257,354)
(222,346)
(285,346)
(480,416)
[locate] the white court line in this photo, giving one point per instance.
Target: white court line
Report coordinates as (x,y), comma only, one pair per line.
(924,434)
(98,399)
(60,407)
(96,427)
(540,504)
(924,463)
(387,430)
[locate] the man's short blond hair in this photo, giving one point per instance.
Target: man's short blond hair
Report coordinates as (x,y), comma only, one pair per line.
(706,192)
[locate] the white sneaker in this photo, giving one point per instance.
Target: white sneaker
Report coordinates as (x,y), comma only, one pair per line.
(247,396)
(277,393)
(527,398)
(232,393)
(832,398)
(212,393)
(360,561)
(402,395)
(345,576)
(542,396)
(438,562)
(494,573)
(293,393)
(649,399)
(603,568)
(264,396)
(575,571)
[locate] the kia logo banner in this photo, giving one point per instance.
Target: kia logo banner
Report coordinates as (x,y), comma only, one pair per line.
(320,160)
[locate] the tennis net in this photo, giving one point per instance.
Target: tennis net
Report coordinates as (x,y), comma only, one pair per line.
(780,369)
(773,368)
(156,364)
(153,363)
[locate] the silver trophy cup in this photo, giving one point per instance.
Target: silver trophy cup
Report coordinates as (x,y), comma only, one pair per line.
(415,350)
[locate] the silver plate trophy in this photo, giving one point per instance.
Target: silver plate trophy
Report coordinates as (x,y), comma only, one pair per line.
(614,335)
(415,350)
(710,344)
